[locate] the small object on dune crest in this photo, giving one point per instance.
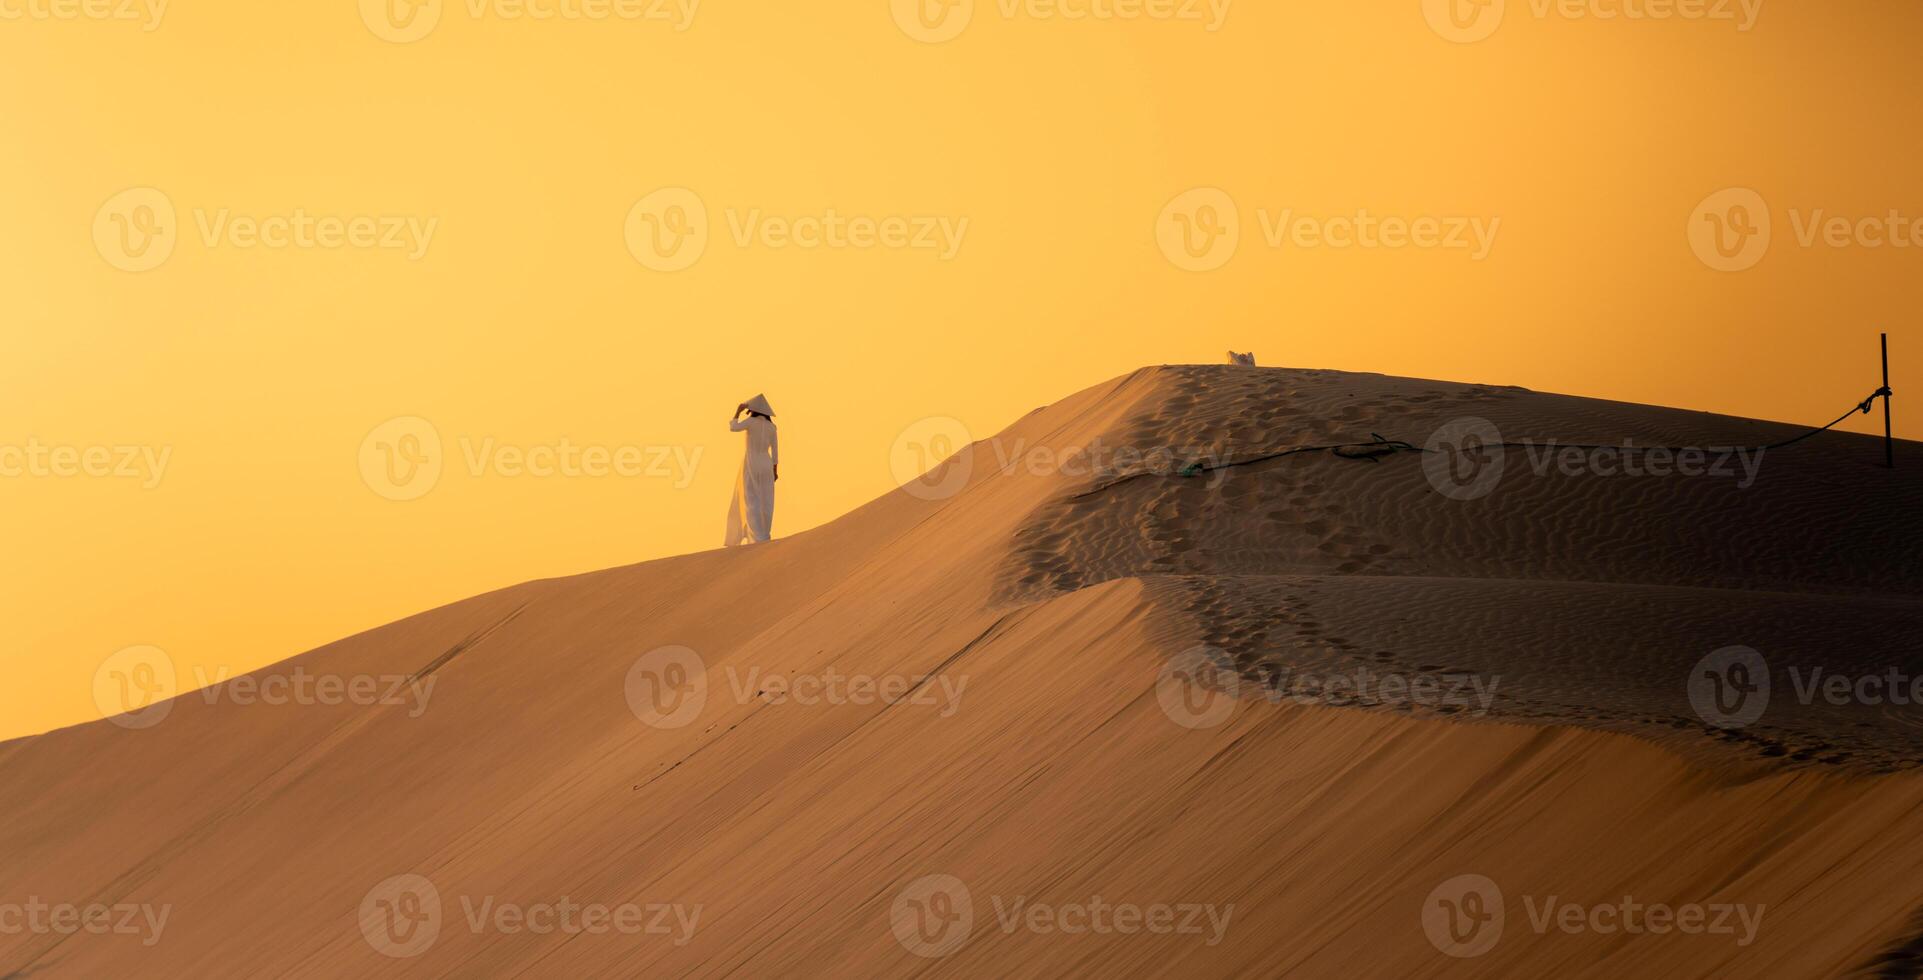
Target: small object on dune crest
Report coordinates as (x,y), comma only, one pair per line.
(1245,360)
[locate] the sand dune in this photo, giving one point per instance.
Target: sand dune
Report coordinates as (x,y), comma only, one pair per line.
(969,729)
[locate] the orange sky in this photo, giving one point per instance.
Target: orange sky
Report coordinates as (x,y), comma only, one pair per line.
(244,240)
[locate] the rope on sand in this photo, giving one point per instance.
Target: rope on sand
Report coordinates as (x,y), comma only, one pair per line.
(1380,446)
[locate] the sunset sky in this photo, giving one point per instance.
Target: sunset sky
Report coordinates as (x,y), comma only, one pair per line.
(259,257)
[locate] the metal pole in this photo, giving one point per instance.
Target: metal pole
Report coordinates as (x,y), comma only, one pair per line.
(1889,444)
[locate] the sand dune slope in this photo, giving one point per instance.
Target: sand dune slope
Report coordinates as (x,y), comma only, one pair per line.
(974,728)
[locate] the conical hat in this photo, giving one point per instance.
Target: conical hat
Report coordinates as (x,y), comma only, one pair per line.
(759,403)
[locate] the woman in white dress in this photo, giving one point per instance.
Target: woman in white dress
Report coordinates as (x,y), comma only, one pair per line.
(751,514)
